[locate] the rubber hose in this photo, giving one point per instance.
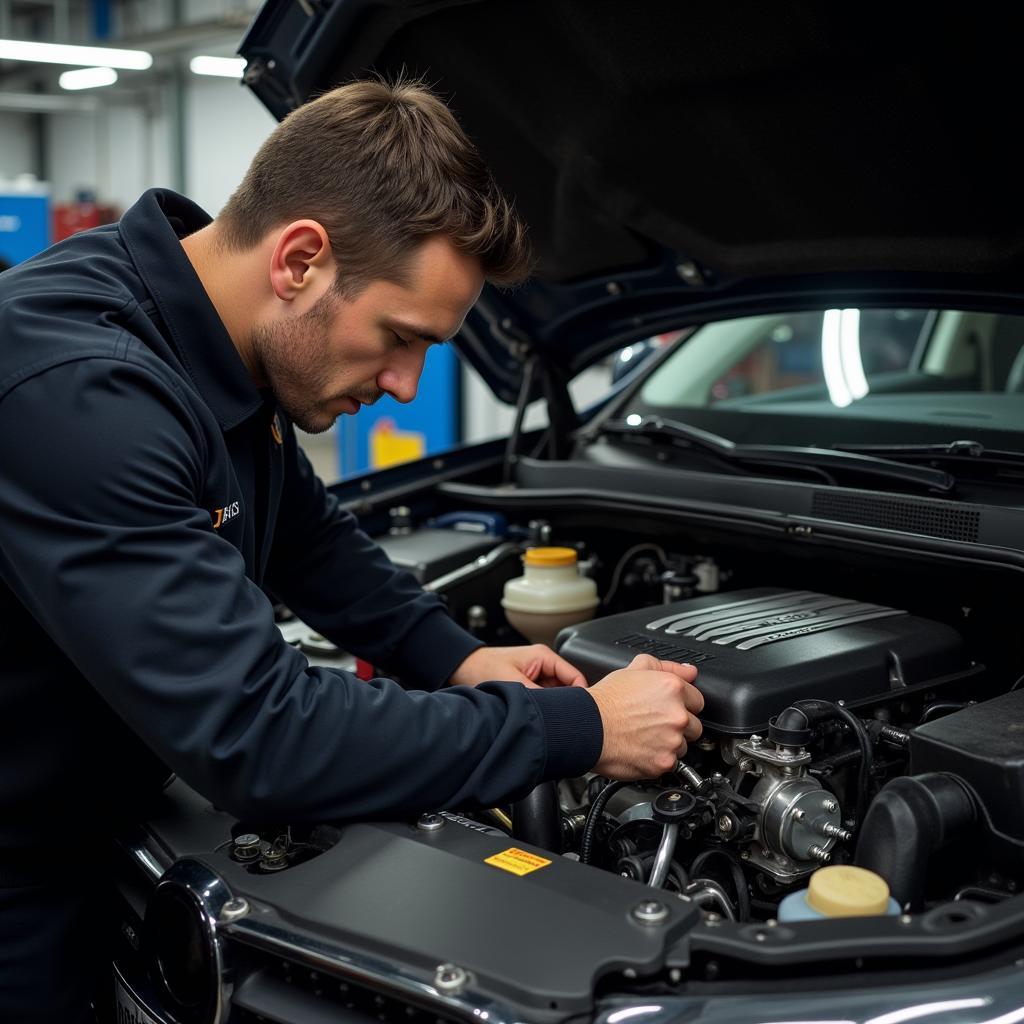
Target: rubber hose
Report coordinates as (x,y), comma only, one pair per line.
(594,816)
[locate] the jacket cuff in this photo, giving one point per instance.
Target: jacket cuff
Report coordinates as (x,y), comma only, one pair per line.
(573,730)
(432,650)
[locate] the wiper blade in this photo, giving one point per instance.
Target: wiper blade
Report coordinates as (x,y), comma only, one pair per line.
(780,454)
(959,451)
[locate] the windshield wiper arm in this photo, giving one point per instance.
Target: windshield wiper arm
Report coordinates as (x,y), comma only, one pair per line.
(780,454)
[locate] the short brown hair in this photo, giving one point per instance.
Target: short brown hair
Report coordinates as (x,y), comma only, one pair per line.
(381,166)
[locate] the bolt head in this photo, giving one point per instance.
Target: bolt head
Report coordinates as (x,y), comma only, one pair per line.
(233,909)
(450,979)
(675,797)
(430,822)
(650,912)
(725,824)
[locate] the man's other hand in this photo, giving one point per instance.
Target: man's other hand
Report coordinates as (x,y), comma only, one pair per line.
(533,666)
(649,711)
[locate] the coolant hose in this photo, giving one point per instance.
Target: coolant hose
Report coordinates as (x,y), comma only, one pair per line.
(911,818)
(536,819)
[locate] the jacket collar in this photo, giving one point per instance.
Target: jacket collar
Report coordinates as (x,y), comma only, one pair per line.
(152,230)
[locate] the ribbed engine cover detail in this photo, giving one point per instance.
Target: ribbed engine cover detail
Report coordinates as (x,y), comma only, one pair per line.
(759,650)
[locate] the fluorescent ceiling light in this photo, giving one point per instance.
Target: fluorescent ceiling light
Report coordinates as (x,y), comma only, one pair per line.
(87,78)
(840,356)
(222,67)
(832,360)
(88,56)
(849,351)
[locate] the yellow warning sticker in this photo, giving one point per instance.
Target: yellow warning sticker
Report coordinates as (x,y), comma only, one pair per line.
(518,862)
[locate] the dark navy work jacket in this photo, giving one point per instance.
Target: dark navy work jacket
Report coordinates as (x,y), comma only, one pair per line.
(148,493)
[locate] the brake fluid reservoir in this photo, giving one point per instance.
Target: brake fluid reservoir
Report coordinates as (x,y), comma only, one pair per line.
(841,890)
(550,595)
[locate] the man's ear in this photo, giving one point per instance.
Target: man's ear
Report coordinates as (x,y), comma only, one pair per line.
(302,264)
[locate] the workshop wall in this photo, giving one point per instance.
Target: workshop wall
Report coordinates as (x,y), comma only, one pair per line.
(224,126)
(16,155)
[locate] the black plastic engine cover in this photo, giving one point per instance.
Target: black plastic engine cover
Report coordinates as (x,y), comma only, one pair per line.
(759,650)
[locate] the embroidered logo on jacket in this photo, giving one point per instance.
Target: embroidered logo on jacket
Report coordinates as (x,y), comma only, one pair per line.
(222,515)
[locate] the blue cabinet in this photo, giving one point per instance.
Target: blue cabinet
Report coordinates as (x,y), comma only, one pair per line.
(388,433)
(24,222)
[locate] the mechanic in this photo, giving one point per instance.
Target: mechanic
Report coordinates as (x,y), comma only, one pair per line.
(153,494)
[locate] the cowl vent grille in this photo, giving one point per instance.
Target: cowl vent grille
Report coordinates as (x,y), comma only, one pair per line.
(943,519)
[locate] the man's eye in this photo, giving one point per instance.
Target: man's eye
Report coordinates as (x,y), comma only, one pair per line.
(400,342)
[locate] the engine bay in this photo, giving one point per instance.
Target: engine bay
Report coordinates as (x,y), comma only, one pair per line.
(871,723)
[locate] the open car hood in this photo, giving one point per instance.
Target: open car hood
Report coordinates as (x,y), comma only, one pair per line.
(679,163)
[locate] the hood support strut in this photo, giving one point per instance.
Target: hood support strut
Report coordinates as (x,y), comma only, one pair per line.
(556,440)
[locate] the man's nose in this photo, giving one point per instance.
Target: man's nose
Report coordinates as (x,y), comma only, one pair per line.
(402,377)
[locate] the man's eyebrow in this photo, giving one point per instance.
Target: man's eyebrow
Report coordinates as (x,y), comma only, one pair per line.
(420,332)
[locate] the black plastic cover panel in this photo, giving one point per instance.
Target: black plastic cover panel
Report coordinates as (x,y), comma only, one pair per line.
(984,745)
(430,553)
(536,942)
(759,650)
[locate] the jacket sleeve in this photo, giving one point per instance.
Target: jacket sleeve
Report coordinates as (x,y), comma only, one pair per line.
(105,542)
(335,578)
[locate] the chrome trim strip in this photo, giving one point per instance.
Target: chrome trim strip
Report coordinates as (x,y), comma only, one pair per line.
(848,609)
(147,861)
(146,853)
(816,628)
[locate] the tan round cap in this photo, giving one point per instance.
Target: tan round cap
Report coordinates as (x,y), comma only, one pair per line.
(550,557)
(845,891)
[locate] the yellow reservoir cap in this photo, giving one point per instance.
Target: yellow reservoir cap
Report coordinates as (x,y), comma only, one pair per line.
(548,558)
(845,891)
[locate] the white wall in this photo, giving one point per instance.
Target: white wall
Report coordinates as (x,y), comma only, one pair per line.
(72,142)
(116,151)
(225,125)
(16,155)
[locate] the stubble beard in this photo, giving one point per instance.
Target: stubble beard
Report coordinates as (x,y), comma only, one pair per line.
(293,358)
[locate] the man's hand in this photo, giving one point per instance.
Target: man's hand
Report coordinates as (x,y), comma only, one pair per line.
(649,712)
(534,666)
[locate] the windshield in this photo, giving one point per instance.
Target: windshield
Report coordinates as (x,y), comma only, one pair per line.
(880,374)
